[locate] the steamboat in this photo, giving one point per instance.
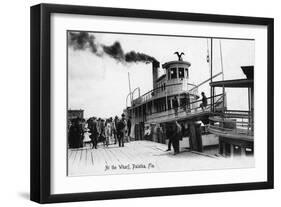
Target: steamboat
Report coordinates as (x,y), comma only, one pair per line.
(174,98)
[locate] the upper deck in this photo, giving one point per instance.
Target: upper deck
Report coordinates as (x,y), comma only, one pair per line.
(173,83)
(173,97)
(166,91)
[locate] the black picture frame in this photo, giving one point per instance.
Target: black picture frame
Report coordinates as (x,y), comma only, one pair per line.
(41,102)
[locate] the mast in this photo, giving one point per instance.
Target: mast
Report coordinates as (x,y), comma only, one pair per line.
(223,89)
(208,57)
(221,61)
(130,90)
(211,78)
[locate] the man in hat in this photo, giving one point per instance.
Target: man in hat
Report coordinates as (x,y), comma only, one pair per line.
(115,123)
(176,136)
(121,128)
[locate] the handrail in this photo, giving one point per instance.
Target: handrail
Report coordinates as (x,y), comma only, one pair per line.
(207,98)
(183,106)
(242,120)
(127,99)
(166,86)
(235,114)
(228,121)
(237,111)
(138,88)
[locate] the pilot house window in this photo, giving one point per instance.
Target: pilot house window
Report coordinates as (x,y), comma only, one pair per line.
(186,72)
(181,72)
(173,73)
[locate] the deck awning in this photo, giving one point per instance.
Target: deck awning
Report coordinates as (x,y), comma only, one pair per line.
(236,83)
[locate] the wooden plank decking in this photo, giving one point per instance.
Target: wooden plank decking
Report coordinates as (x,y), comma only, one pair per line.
(141,157)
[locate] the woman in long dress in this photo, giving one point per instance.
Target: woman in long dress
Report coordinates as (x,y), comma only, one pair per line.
(75,134)
(108,133)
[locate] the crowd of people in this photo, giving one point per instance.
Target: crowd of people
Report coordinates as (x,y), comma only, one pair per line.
(108,131)
(117,131)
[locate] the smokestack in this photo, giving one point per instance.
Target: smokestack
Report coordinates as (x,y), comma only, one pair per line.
(155,66)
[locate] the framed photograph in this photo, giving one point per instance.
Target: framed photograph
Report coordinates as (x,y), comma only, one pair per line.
(132,103)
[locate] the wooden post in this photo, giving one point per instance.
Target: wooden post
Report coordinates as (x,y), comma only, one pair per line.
(199,136)
(221,146)
(195,139)
(192,137)
(232,150)
(243,151)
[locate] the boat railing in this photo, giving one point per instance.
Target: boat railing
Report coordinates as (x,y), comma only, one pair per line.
(233,121)
(161,91)
(188,108)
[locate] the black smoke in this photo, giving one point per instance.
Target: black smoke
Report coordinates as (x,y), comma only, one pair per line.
(115,51)
(84,40)
(138,57)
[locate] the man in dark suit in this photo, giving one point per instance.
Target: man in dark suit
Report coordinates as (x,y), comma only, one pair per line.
(204,101)
(129,125)
(176,136)
(92,125)
(121,127)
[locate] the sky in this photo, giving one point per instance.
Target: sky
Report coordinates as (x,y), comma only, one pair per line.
(98,74)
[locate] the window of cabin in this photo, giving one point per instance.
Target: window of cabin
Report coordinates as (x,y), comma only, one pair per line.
(169,104)
(183,102)
(249,151)
(187,75)
(173,73)
(169,74)
(236,150)
(181,72)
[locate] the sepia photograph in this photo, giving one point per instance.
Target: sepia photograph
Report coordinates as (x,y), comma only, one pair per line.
(150,103)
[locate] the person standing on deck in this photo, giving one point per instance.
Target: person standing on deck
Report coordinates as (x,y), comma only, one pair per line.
(121,127)
(176,134)
(112,125)
(168,130)
(81,132)
(159,133)
(102,131)
(72,134)
(99,129)
(75,134)
(108,133)
(115,122)
(129,125)
(93,127)
(204,101)
(175,105)
(84,130)
(98,126)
